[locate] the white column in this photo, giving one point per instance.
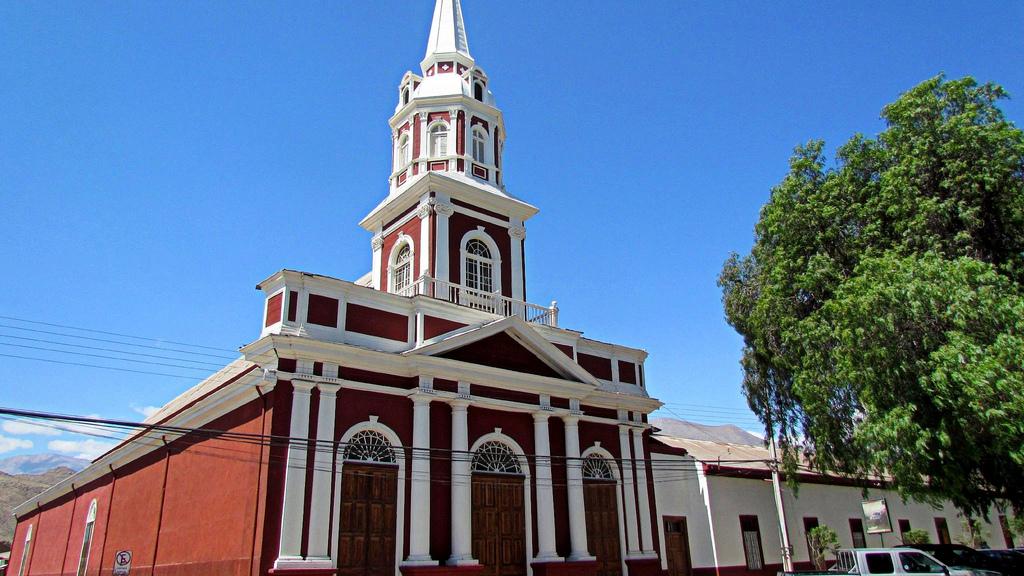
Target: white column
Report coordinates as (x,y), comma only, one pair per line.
(290,551)
(442,210)
(419,509)
(377,243)
(546,551)
(424,212)
(644,503)
(517,233)
(628,498)
(574,477)
(462,502)
(320,508)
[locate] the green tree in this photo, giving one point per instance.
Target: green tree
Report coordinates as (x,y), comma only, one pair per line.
(822,540)
(881,305)
(916,536)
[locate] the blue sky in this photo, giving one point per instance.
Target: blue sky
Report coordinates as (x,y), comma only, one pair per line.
(157,159)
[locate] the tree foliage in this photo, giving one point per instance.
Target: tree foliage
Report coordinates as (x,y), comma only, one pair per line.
(916,536)
(822,540)
(881,305)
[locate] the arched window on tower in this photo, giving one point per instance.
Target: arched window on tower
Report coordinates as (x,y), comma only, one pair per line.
(405,96)
(478,91)
(402,158)
(479,266)
(90,521)
(438,140)
(401,269)
(479,145)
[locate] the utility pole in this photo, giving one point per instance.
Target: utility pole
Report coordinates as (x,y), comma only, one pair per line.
(787,550)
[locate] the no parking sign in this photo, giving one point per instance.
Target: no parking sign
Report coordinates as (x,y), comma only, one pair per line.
(122,563)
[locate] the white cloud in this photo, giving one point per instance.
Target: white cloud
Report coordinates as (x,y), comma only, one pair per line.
(88,449)
(21,427)
(146,411)
(8,444)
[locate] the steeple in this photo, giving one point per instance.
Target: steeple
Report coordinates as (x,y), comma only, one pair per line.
(447,36)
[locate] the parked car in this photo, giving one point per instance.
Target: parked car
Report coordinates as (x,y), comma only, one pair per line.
(957,556)
(1009,562)
(890,562)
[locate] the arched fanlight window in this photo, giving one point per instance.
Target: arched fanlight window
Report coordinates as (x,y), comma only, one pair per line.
(369,446)
(597,468)
(478,91)
(439,140)
(496,457)
(90,521)
(402,158)
(479,266)
(479,144)
(401,269)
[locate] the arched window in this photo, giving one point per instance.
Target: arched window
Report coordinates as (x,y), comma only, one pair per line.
(405,96)
(370,446)
(496,457)
(439,140)
(90,521)
(23,569)
(401,269)
(479,144)
(479,266)
(478,91)
(402,158)
(597,468)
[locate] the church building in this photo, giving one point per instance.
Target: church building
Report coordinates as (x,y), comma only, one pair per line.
(424,419)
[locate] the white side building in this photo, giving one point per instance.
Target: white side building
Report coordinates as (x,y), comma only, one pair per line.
(718,514)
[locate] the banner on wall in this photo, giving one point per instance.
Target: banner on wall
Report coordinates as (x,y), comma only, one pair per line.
(876,516)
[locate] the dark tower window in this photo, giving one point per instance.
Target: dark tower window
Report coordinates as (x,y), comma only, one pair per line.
(405,96)
(478,91)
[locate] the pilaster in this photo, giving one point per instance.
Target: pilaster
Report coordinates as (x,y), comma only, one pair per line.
(629,492)
(419,509)
(574,478)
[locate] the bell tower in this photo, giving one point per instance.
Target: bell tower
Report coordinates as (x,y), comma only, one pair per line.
(448,227)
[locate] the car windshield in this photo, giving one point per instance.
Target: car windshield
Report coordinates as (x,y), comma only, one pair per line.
(918,563)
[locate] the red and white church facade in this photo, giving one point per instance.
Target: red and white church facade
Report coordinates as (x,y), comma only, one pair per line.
(452,426)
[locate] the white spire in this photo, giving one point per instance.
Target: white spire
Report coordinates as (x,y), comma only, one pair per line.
(447,33)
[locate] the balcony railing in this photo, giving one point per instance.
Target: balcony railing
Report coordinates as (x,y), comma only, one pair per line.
(493,303)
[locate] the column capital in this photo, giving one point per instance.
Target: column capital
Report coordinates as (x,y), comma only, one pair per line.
(327,388)
(571,419)
(420,397)
(444,208)
(459,404)
(541,416)
(302,386)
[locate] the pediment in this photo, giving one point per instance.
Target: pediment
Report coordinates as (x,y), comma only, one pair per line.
(508,344)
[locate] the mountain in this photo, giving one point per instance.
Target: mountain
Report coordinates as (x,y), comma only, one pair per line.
(693,431)
(39,463)
(17,489)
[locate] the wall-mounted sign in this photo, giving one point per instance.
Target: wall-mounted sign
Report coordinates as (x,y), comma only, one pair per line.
(876,516)
(122,563)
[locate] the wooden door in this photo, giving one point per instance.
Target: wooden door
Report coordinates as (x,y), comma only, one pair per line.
(499,524)
(602,515)
(677,546)
(366,531)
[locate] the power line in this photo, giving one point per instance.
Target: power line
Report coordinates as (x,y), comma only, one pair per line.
(102,349)
(97,366)
(90,330)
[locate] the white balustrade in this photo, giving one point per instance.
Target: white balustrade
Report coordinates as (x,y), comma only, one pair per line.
(494,303)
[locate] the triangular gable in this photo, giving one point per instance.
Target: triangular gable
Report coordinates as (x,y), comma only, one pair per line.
(511,344)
